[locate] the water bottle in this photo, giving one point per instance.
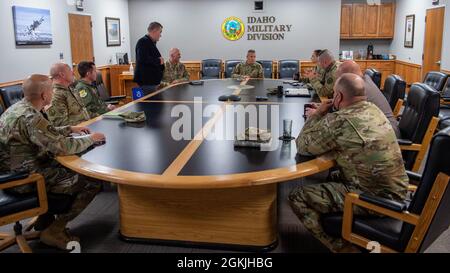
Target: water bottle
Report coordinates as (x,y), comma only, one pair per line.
(131,69)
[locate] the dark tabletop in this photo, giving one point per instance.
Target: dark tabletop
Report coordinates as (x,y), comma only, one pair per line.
(148,147)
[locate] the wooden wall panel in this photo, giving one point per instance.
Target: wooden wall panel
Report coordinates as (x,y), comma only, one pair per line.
(410,72)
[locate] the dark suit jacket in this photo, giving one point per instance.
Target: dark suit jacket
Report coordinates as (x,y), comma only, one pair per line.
(149,70)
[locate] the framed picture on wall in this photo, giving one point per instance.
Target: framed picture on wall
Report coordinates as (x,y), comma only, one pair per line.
(32,26)
(112,31)
(409,31)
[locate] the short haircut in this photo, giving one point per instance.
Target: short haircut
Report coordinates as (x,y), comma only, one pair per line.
(154,26)
(326,55)
(317,52)
(251,51)
(35,85)
(85,67)
(351,85)
(58,68)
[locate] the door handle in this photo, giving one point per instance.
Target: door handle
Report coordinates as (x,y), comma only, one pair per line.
(438,62)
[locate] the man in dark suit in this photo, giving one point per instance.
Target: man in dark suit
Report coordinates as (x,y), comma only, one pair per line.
(149,63)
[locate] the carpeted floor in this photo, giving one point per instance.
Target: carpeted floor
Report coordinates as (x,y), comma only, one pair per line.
(98,229)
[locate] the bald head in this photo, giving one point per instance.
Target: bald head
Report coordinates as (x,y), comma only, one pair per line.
(61,74)
(348,67)
(350,85)
(36,86)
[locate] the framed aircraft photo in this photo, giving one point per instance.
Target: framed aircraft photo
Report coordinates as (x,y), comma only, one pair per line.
(32,26)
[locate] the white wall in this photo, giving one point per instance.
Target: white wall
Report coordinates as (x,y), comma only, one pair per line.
(446,42)
(195,27)
(417,7)
(21,61)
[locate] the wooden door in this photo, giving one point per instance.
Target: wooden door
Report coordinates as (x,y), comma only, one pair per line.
(371,20)
(81,43)
(346,14)
(434,28)
(358,19)
(387,20)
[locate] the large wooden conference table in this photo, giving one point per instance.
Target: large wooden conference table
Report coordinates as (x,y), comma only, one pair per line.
(201,190)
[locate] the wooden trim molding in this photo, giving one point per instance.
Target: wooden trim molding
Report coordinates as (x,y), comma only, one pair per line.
(445,71)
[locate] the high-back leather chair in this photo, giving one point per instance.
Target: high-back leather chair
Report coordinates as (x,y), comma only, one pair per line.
(375,75)
(267,68)
(211,68)
(435,79)
(394,91)
(229,66)
(444,113)
(16,207)
(418,123)
(1,109)
(411,226)
(287,69)
(11,94)
(104,93)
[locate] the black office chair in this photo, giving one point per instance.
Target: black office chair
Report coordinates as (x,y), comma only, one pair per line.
(229,66)
(287,69)
(410,226)
(1,109)
(444,113)
(211,68)
(435,79)
(394,91)
(104,93)
(418,123)
(267,68)
(11,94)
(14,208)
(375,75)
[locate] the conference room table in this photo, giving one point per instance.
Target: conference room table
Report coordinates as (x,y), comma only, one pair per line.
(198,188)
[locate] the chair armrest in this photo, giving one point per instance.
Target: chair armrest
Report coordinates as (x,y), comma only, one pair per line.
(404,142)
(446,99)
(383,202)
(13,176)
(414,176)
(112,102)
(352,199)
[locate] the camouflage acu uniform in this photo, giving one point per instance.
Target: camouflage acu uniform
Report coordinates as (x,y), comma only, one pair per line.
(174,72)
(66,108)
(325,83)
(29,143)
(244,69)
(319,71)
(365,148)
(89,97)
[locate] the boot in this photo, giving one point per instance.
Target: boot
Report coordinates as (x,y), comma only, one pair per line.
(56,235)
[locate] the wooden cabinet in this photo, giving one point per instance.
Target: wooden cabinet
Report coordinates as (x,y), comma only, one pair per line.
(371,21)
(363,21)
(346,12)
(387,18)
(193,68)
(358,18)
(114,72)
(385,67)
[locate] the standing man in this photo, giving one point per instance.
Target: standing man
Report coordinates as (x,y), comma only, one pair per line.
(149,63)
(66,107)
(324,83)
(174,71)
(249,69)
(361,140)
(29,143)
(87,91)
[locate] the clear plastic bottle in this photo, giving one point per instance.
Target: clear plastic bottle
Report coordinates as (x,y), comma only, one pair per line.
(131,69)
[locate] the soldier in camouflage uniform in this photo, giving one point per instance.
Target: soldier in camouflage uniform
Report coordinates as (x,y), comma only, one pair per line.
(364,145)
(324,83)
(66,107)
(316,72)
(249,69)
(174,71)
(29,143)
(87,91)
